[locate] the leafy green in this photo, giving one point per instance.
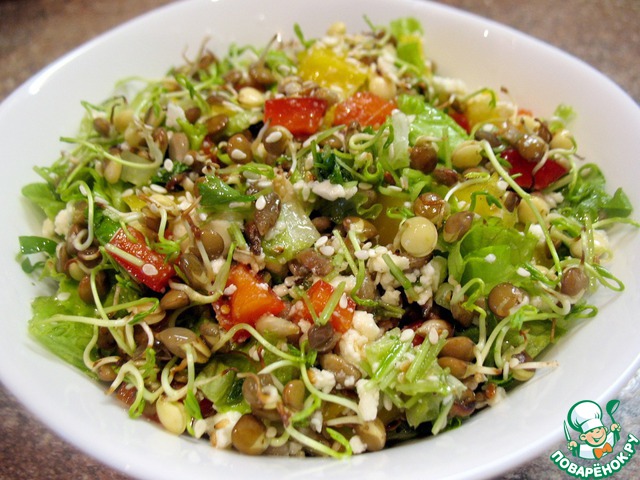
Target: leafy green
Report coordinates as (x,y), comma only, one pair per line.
(562,116)
(408,33)
(217,195)
(67,340)
(104,227)
(326,167)
(422,388)
(44,196)
(34,244)
(292,232)
(162,176)
(490,252)
(430,122)
(588,199)
(219,381)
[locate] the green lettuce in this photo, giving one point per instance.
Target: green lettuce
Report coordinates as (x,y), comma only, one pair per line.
(490,252)
(67,340)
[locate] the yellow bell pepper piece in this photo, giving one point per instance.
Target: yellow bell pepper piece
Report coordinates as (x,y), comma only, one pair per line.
(330,70)
(481,206)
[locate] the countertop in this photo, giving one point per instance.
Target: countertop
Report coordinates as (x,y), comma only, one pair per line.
(33,33)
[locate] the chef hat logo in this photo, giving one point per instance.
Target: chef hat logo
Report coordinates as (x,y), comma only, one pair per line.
(585,416)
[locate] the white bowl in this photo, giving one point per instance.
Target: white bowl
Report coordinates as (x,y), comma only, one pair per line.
(479,51)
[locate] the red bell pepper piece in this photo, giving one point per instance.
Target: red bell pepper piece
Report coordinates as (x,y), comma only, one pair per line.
(302,116)
(319,294)
(252,297)
(461,119)
(545,176)
(366,108)
(152,270)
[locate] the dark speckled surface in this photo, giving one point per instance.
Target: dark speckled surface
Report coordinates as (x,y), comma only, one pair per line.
(605,34)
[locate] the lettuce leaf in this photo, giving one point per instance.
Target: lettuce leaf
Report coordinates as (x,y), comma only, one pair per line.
(219,382)
(65,339)
(292,233)
(431,122)
(408,34)
(44,196)
(424,389)
(218,196)
(587,197)
(491,252)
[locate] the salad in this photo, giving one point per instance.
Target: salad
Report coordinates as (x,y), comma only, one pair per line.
(317,247)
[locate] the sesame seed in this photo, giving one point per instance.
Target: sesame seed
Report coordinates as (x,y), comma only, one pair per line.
(327,250)
(158,188)
(343,301)
(490,258)
(273,137)
(321,241)
(249,175)
(261,202)
(433,336)
(168,165)
(361,254)
(188,160)
(230,290)
(237,154)
(523,272)
(149,269)
(407,335)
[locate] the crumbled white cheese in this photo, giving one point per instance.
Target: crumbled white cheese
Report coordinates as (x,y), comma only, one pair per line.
(217,264)
(315,422)
(352,345)
(223,426)
(331,191)
(391,297)
(270,397)
(349,282)
(48,229)
(63,220)
(323,380)
(449,85)
(357,445)
(369,397)
(365,324)
(174,113)
(500,395)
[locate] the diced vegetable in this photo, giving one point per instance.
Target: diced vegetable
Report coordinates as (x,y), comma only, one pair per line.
(147,266)
(302,116)
(252,297)
(367,109)
(522,171)
(319,295)
(326,68)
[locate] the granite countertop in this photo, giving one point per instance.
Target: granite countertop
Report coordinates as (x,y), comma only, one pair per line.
(36,32)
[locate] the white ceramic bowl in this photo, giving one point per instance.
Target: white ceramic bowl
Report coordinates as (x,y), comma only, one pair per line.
(483,53)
